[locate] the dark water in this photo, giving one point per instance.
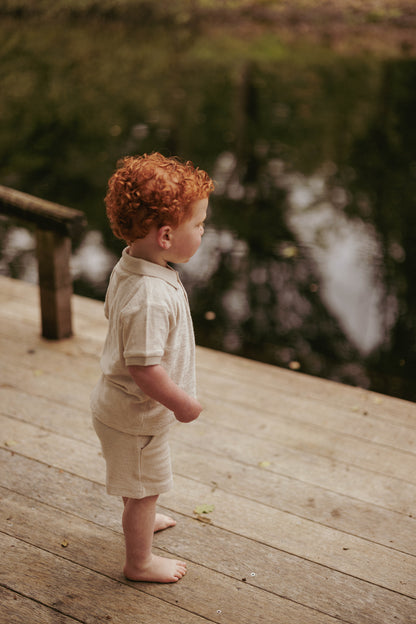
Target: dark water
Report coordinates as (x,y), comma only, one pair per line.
(309,256)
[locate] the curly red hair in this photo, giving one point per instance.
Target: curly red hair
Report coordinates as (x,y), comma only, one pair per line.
(152,190)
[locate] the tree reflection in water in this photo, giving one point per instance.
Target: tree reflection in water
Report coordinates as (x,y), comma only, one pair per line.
(309,257)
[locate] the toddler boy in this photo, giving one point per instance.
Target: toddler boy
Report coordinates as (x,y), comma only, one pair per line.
(158,205)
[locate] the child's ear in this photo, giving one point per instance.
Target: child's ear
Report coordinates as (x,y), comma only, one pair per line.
(164,236)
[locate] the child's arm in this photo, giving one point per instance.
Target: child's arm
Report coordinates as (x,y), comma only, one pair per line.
(156,383)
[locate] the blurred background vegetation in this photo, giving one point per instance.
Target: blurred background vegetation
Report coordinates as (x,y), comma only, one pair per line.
(303,112)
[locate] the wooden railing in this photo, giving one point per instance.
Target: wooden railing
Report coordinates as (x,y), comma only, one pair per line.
(56,227)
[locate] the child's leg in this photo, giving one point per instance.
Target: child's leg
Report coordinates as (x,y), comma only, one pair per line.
(161,520)
(138,527)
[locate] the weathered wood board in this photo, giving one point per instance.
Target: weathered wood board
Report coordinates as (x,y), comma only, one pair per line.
(313,485)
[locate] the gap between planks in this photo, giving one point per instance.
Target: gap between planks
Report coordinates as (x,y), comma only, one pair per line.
(277,572)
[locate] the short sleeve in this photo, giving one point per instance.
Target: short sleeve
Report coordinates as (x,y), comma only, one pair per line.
(145,332)
(106,308)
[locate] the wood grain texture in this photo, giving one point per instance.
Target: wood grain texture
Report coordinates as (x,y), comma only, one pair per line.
(313,485)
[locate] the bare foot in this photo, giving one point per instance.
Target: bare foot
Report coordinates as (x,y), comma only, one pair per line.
(163,522)
(158,570)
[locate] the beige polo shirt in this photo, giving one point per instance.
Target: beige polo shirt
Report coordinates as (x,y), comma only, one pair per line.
(149,323)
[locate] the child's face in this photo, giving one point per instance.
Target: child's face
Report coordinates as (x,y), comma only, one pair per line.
(186,237)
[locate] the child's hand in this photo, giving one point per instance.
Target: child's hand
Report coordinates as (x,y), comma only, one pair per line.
(154,382)
(189,412)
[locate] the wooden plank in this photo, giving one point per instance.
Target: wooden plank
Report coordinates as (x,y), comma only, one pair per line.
(292,412)
(314,542)
(85,350)
(285,493)
(15,289)
(24,297)
(300,499)
(354,400)
(233,597)
(25,327)
(345,553)
(46,414)
(313,439)
(281,432)
(285,382)
(294,578)
(17,609)
(299,410)
(295,383)
(348,474)
(18,309)
(75,591)
(329,473)
(39,382)
(269,400)
(319,524)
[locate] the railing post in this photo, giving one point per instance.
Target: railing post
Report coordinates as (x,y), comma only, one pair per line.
(56,227)
(53,252)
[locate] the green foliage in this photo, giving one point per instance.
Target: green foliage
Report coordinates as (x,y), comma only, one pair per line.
(384,14)
(76,95)
(83,95)
(204,509)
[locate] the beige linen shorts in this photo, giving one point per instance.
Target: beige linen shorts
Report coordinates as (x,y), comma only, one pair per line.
(137,466)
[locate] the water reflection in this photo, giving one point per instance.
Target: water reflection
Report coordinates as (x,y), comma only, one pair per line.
(349,257)
(309,257)
(92,261)
(17,253)
(329,259)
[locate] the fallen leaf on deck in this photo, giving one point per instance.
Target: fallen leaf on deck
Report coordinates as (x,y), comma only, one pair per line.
(64,543)
(10,443)
(264,464)
(203,509)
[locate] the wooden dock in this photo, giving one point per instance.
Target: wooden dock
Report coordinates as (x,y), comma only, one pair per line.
(312,483)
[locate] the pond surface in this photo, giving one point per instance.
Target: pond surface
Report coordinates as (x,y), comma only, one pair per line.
(309,259)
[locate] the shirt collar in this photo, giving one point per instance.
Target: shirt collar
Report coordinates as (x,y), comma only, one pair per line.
(150,269)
